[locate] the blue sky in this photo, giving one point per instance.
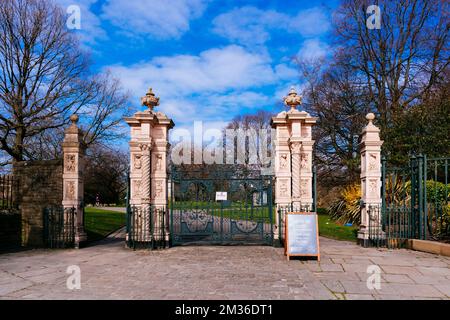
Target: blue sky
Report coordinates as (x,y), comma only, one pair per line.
(207,60)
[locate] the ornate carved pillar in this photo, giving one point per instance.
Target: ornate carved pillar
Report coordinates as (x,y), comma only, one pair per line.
(296,195)
(282,169)
(306,174)
(370,149)
(73,183)
(146,153)
(293,158)
(148,170)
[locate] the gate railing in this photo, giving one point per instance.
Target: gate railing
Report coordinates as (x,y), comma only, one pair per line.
(59,227)
(415,203)
(9,188)
(147,227)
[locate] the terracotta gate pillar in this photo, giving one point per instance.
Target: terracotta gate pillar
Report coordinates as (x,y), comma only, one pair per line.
(293,158)
(73,183)
(370,149)
(148,160)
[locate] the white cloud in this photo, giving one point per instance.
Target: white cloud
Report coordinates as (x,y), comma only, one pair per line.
(313,49)
(214,70)
(247,24)
(91,29)
(310,22)
(160,19)
(213,85)
(252,26)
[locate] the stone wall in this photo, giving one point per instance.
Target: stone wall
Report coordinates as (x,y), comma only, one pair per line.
(40,186)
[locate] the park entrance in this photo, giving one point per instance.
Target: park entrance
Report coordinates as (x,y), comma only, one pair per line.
(218,205)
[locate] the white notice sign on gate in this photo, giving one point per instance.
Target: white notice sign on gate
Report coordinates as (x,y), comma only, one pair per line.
(221,196)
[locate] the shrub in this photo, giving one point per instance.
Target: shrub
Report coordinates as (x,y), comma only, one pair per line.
(347,209)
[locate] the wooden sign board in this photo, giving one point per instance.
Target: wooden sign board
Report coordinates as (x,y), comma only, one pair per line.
(302,235)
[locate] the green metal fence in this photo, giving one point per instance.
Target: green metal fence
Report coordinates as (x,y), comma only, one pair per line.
(415,203)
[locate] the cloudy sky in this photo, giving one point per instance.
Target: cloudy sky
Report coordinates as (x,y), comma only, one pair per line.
(207,60)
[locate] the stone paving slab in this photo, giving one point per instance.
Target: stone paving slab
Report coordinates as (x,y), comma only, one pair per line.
(110,271)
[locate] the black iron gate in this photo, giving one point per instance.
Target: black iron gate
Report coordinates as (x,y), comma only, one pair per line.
(213,206)
(59,227)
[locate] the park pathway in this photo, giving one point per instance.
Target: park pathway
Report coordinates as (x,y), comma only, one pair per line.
(111,271)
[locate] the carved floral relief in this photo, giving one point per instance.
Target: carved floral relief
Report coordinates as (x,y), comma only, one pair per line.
(283,161)
(71,162)
(70,190)
(158,189)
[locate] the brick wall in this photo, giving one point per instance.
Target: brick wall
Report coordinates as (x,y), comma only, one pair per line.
(40,186)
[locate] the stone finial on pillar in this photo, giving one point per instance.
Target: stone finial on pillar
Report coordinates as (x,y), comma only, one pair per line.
(73,182)
(150,100)
(293,100)
(370,148)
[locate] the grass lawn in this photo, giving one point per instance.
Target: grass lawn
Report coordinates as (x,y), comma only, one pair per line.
(330,229)
(99,223)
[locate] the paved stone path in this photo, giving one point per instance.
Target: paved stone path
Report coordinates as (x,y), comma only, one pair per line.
(110,271)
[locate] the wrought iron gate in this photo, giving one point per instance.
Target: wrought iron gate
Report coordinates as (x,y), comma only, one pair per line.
(415,203)
(245,217)
(146,227)
(59,227)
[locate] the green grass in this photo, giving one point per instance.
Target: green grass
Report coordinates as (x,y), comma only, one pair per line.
(330,229)
(99,223)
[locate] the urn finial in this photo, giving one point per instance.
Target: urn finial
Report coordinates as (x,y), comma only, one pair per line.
(293,99)
(150,100)
(74,118)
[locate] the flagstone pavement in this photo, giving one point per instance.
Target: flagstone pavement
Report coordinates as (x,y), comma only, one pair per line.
(111,271)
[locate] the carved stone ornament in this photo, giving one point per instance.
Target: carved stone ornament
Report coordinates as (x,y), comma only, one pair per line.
(296,147)
(145,147)
(283,189)
(70,190)
(71,161)
(158,189)
(283,161)
(137,188)
(304,190)
(137,161)
(304,161)
(373,161)
(158,162)
(373,186)
(293,99)
(150,100)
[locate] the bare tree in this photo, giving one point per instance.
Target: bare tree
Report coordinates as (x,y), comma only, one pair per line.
(45,78)
(105,175)
(338,98)
(403,60)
